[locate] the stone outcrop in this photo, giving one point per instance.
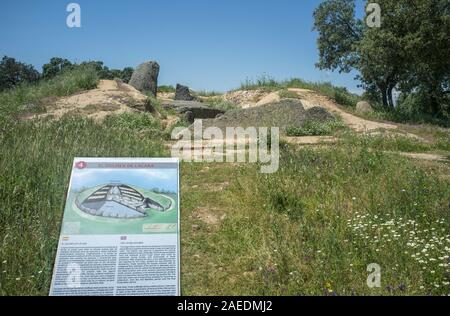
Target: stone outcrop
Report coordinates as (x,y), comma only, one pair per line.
(182,93)
(145,77)
(284,113)
(363,107)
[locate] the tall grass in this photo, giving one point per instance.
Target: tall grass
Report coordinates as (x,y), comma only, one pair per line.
(166,89)
(339,94)
(35,166)
(262,82)
(67,83)
(402,115)
(316,128)
(313,227)
(398,143)
(349,185)
(219,103)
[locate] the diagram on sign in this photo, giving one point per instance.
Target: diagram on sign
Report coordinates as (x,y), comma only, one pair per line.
(118,200)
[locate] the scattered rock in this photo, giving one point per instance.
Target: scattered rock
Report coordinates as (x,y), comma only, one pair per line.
(145,77)
(189,116)
(192,109)
(182,93)
(363,107)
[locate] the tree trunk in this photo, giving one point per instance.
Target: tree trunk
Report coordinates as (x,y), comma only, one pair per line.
(389,95)
(384,97)
(434,105)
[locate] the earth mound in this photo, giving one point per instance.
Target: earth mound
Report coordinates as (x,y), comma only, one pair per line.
(110,97)
(283,114)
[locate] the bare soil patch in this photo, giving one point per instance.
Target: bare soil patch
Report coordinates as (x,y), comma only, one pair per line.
(110,97)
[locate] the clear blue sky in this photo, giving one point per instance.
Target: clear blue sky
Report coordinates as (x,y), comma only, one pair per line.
(206,44)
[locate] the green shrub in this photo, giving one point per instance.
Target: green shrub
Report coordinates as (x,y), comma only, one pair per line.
(287,203)
(13,73)
(443,141)
(404,115)
(180,123)
(219,103)
(409,110)
(64,84)
(166,89)
(135,121)
(286,94)
(156,104)
(342,97)
(316,128)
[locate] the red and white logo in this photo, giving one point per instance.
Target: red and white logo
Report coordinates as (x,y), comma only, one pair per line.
(80,165)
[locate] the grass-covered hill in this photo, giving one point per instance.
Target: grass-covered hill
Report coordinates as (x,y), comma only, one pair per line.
(311,228)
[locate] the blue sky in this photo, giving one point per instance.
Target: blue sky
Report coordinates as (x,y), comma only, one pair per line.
(206,44)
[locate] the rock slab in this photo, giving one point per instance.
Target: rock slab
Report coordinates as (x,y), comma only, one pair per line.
(192,109)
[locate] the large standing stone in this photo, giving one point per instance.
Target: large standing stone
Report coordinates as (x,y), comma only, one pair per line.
(145,77)
(182,93)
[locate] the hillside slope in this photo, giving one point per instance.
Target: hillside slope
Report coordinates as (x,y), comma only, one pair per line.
(110,97)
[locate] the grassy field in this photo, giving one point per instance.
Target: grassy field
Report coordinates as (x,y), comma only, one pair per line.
(313,227)
(316,128)
(309,229)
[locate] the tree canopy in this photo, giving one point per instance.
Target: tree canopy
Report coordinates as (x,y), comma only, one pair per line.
(409,52)
(13,72)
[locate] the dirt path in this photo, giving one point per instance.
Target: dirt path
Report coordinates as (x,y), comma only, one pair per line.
(425,156)
(311,98)
(310,140)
